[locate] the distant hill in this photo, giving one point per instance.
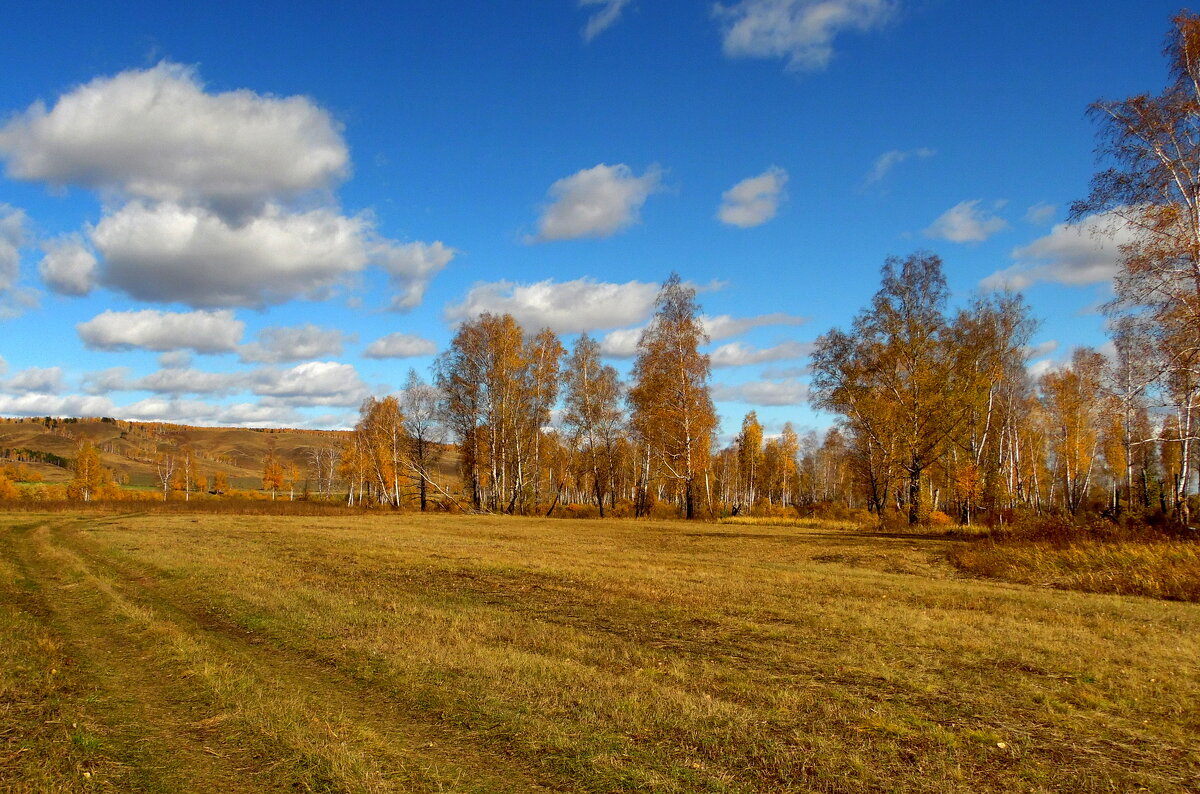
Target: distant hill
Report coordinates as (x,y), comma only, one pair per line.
(130,449)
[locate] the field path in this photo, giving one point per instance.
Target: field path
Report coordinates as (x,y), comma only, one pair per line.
(166,697)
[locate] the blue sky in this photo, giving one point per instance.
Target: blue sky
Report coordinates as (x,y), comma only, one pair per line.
(229,215)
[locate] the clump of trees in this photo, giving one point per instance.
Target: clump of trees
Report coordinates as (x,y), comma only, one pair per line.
(918,387)
(494,392)
(91,479)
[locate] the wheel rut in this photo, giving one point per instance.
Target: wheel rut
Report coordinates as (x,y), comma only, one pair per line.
(193,702)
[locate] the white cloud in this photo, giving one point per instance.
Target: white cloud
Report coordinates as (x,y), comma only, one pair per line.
(890,159)
(399,345)
(604,18)
(203,194)
(149,329)
(35,404)
(175,359)
(1076,254)
(786,392)
(40,380)
(156,134)
(595,202)
(1041,349)
(737,354)
(168,252)
(621,343)
(754,200)
(311,383)
(13,299)
(296,343)
(1041,213)
(1040,368)
(106,380)
(723,326)
(966,222)
(194,412)
(257,415)
(12,237)
(563,306)
(188,381)
(800,30)
(411,266)
(68,267)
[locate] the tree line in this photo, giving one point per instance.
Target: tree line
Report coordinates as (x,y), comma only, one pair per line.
(936,410)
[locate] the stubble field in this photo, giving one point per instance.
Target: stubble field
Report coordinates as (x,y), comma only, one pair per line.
(412,653)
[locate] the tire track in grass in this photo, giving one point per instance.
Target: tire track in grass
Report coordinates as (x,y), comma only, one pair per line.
(139,725)
(328,730)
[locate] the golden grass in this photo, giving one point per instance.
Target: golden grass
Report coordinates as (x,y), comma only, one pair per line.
(1158,568)
(427,653)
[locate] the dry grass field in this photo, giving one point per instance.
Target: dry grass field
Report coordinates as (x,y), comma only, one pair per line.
(408,653)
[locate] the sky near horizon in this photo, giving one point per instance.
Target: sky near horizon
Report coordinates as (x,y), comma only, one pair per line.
(258,214)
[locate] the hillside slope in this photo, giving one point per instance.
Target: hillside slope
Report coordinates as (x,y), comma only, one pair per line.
(131,449)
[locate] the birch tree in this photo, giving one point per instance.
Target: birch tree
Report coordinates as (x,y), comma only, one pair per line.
(592,415)
(673,414)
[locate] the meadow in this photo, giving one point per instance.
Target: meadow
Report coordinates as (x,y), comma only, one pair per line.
(207,652)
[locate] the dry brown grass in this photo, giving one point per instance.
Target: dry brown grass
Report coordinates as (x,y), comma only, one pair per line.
(439,653)
(1158,567)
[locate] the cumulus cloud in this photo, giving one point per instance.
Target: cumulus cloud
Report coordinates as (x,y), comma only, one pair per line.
(149,329)
(204,194)
(967,222)
(724,326)
(106,380)
(761,392)
(563,306)
(595,202)
(257,415)
(754,200)
(411,267)
(802,31)
(400,345)
(737,354)
(175,359)
(36,404)
(68,267)
(194,412)
(157,134)
(1046,365)
(296,343)
(169,252)
(174,381)
(622,343)
(1075,254)
(311,383)
(13,299)
(12,237)
(606,16)
(1041,349)
(890,159)
(1041,213)
(39,380)
(188,381)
